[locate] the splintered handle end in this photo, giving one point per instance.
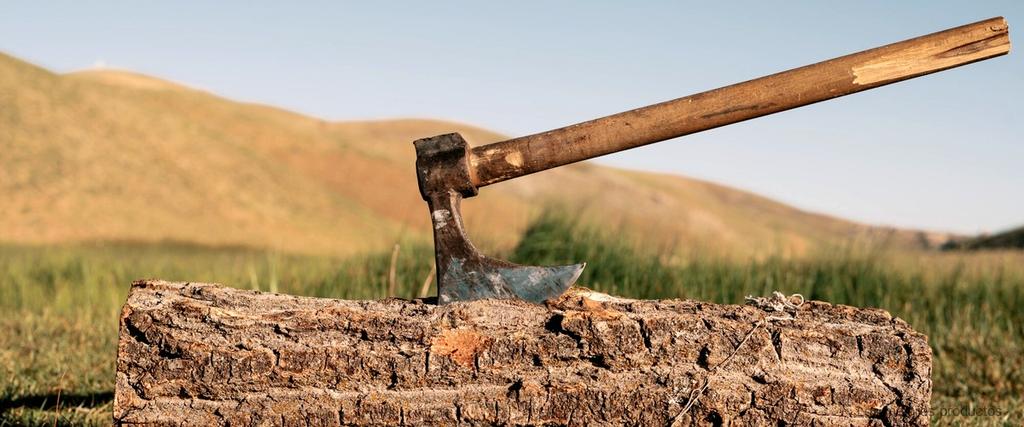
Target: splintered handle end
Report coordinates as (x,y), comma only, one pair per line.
(731,104)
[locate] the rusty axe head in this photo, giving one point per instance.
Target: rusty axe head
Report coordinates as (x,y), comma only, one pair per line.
(463,273)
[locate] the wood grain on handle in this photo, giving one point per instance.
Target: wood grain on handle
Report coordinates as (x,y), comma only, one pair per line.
(742,101)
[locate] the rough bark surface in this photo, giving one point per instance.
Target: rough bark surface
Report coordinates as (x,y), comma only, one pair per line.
(200,354)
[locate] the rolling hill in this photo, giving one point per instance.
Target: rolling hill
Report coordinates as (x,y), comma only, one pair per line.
(1009,239)
(115,156)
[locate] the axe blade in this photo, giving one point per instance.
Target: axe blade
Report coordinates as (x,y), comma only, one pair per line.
(480,278)
(464,274)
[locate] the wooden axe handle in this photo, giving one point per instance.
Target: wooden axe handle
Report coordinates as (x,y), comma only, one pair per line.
(853,73)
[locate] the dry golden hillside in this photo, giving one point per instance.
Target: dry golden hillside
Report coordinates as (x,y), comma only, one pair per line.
(117,156)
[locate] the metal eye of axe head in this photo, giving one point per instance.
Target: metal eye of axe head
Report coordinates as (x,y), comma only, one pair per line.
(449,170)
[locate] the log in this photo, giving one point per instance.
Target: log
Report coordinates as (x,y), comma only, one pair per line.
(202,354)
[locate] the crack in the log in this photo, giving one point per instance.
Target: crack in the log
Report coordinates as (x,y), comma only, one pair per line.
(281,330)
(760,377)
(909,374)
(899,398)
(750,403)
(645,333)
(883,416)
(394,379)
(169,353)
(702,357)
(969,48)
(776,335)
(135,332)
(707,324)
(753,107)
(547,393)
(599,361)
(554,325)
(515,389)
(714,418)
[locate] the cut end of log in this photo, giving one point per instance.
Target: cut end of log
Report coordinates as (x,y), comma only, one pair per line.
(212,355)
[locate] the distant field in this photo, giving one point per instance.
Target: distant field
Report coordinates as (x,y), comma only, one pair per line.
(59,305)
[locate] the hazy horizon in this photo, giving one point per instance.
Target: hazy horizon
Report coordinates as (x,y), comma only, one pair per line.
(938,153)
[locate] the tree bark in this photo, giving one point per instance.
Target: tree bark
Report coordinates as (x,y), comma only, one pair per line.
(200,354)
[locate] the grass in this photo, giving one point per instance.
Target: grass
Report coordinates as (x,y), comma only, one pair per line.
(59,305)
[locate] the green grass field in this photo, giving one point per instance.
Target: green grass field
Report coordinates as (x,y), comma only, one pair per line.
(59,305)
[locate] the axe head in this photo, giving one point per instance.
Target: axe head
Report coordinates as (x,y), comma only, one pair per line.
(463,273)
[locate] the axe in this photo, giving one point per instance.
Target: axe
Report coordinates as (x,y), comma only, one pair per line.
(448,169)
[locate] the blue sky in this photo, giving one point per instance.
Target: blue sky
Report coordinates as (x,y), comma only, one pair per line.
(942,152)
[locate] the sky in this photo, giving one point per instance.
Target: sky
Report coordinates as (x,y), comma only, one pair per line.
(943,152)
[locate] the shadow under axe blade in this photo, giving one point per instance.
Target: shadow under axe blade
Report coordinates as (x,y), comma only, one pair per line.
(449,170)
